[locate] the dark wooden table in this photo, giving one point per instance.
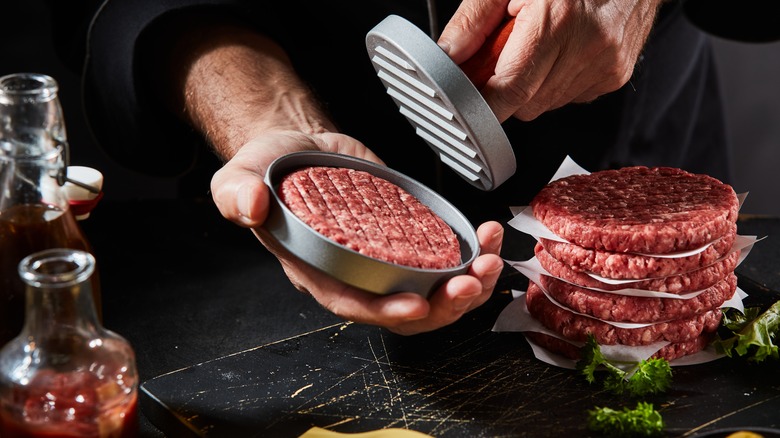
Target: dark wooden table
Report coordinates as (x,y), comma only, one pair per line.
(227,348)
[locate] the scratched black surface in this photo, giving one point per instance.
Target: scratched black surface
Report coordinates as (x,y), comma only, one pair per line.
(227,348)
(350,378)
(460,381)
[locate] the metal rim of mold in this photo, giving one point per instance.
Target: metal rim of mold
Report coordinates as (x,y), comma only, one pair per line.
(349,266)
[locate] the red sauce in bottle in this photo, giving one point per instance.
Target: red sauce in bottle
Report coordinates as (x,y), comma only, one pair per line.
(69,405)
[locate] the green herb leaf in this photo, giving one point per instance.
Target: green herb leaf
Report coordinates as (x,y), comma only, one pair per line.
(591,358)
(642,421)
(650,376)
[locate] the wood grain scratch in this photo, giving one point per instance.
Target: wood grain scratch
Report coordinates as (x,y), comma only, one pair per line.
(723,417)
(294,394)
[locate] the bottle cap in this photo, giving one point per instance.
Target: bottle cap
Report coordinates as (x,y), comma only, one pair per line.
(84,188)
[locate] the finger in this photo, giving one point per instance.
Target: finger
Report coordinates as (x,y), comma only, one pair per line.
(240,195)
(459,295)
(397,310)
(490,236)
(366,308)
(345,301)
(346,145)
(447,305)
(407,313)
(470,26)
(488,266)
(565,82)
(487,270)
(466,292)
(522,68)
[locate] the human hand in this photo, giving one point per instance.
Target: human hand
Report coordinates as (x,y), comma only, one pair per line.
(404,313)
(558,52)
(281,116)
(242,197)
(238,188)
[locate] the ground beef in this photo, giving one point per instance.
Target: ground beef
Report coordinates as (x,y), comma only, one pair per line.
(577,327)
(679,349)
(370,215)
(638,209)
(617,265)
(676,284)
(623,308)
(670,352)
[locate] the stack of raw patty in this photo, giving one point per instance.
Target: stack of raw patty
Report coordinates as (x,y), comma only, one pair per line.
(627,224)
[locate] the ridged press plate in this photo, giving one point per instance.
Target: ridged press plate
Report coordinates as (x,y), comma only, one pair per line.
(442,104)
(350,266)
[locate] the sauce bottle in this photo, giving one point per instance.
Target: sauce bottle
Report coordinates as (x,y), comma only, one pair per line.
(65,376)
(34,211)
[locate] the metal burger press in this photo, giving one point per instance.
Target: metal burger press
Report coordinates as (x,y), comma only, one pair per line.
(449,113)
(441,102)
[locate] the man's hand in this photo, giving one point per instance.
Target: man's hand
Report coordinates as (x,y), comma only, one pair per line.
(238,188)
(559,51)
(242,197)
(404,313)
(240,91)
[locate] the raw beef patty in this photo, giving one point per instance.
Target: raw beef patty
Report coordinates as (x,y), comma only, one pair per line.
(370,215)
(577,327)
(670,352)
(614,307)
(618,265)
(692,281)
(638,209)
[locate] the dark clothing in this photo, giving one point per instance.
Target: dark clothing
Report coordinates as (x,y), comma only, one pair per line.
(747,20)
(668,114)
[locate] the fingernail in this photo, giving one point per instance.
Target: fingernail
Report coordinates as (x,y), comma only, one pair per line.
(244,201)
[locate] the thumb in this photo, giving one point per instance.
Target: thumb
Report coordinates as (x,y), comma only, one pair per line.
(470,26)
(240,195)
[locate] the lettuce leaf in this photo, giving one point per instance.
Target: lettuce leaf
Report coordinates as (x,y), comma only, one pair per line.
(753,338)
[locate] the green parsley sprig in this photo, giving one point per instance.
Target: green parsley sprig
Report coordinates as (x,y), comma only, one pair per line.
(642,421)
(650,376)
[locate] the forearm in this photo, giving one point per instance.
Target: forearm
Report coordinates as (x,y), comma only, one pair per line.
(232,84)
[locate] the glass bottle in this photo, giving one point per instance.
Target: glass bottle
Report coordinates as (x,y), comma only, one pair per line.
(65,375)
(34,211)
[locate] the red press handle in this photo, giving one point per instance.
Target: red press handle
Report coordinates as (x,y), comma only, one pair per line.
(482,65)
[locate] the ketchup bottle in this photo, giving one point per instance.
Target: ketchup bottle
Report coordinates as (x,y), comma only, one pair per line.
(65,376)
(34,210)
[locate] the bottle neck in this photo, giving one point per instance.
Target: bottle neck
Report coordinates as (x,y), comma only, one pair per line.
(31,181)
(59,294)
(60,309)
(33,145)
